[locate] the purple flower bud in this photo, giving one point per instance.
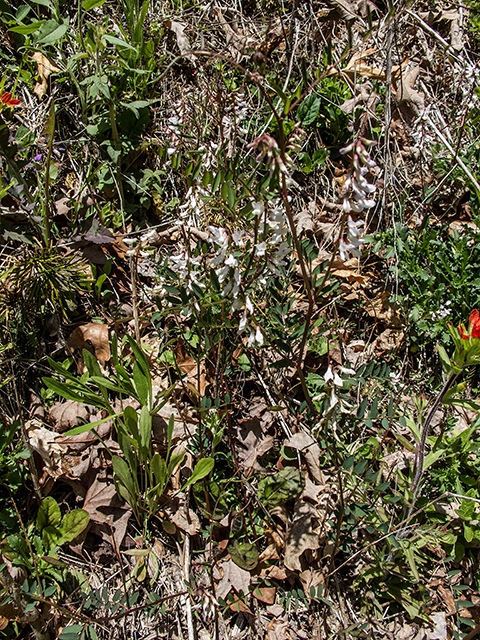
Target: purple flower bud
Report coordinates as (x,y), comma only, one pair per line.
(38,157)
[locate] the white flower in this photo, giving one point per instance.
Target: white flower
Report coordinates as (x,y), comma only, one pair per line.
(222,273)
(333,400)
(248,305)
(237,237)
(259,336)
(149,235)
(255,337)
(343,249)
(260,249)
(131,252)
(331,375)
(130,240)
(243,323)
(231,261)
(258,208)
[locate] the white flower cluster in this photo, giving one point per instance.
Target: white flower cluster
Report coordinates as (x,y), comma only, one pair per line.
(137,248)
(235,114)
(423,133)
(272,247)
(357,198)
(334,381)
(191,209)
(276,244)
(443,312)
(137,244)
(469,83)
(357,188)
(228,273)
(173,128)
(354,240)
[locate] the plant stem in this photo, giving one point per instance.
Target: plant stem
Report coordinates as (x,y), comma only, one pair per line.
(423,440)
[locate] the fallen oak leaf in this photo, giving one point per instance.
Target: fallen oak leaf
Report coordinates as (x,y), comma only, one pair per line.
(44,69)
(234,577)
(94,338)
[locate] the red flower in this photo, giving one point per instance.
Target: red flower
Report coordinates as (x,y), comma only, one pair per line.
(474,324)
(473,327)
(6,98)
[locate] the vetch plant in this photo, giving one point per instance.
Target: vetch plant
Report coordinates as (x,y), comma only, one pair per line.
(357,198)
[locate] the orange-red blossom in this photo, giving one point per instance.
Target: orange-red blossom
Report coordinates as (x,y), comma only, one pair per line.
(7,99)
(473,327)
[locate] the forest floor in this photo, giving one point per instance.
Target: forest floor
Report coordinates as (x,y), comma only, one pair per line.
(240,258)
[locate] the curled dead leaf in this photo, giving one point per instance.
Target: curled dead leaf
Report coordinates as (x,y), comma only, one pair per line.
(94,338)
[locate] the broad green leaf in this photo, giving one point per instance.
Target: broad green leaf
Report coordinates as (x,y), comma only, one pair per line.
(51,31)
(308,110)
(159,467)
(131,421)
(101,381)
(409,551)
(49,514)
(145,428)
(87,5)
(444,357)
(27,29)
(432,457)
(244,555)
(117,42)
(51,537)
(61,370)
(22,12)
(124,476)
(64,390)
(141,383)
(202,469)
(174,461)
(282,486)
(73,523)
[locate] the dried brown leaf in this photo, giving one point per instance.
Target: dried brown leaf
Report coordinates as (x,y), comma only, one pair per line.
(182,516)
(69,414)
(265,594)
(308,447)
(44,69)
(410,101)
(301,536)
(234,577)
(178,28)
(254,443)
(107,510)
(94,338)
